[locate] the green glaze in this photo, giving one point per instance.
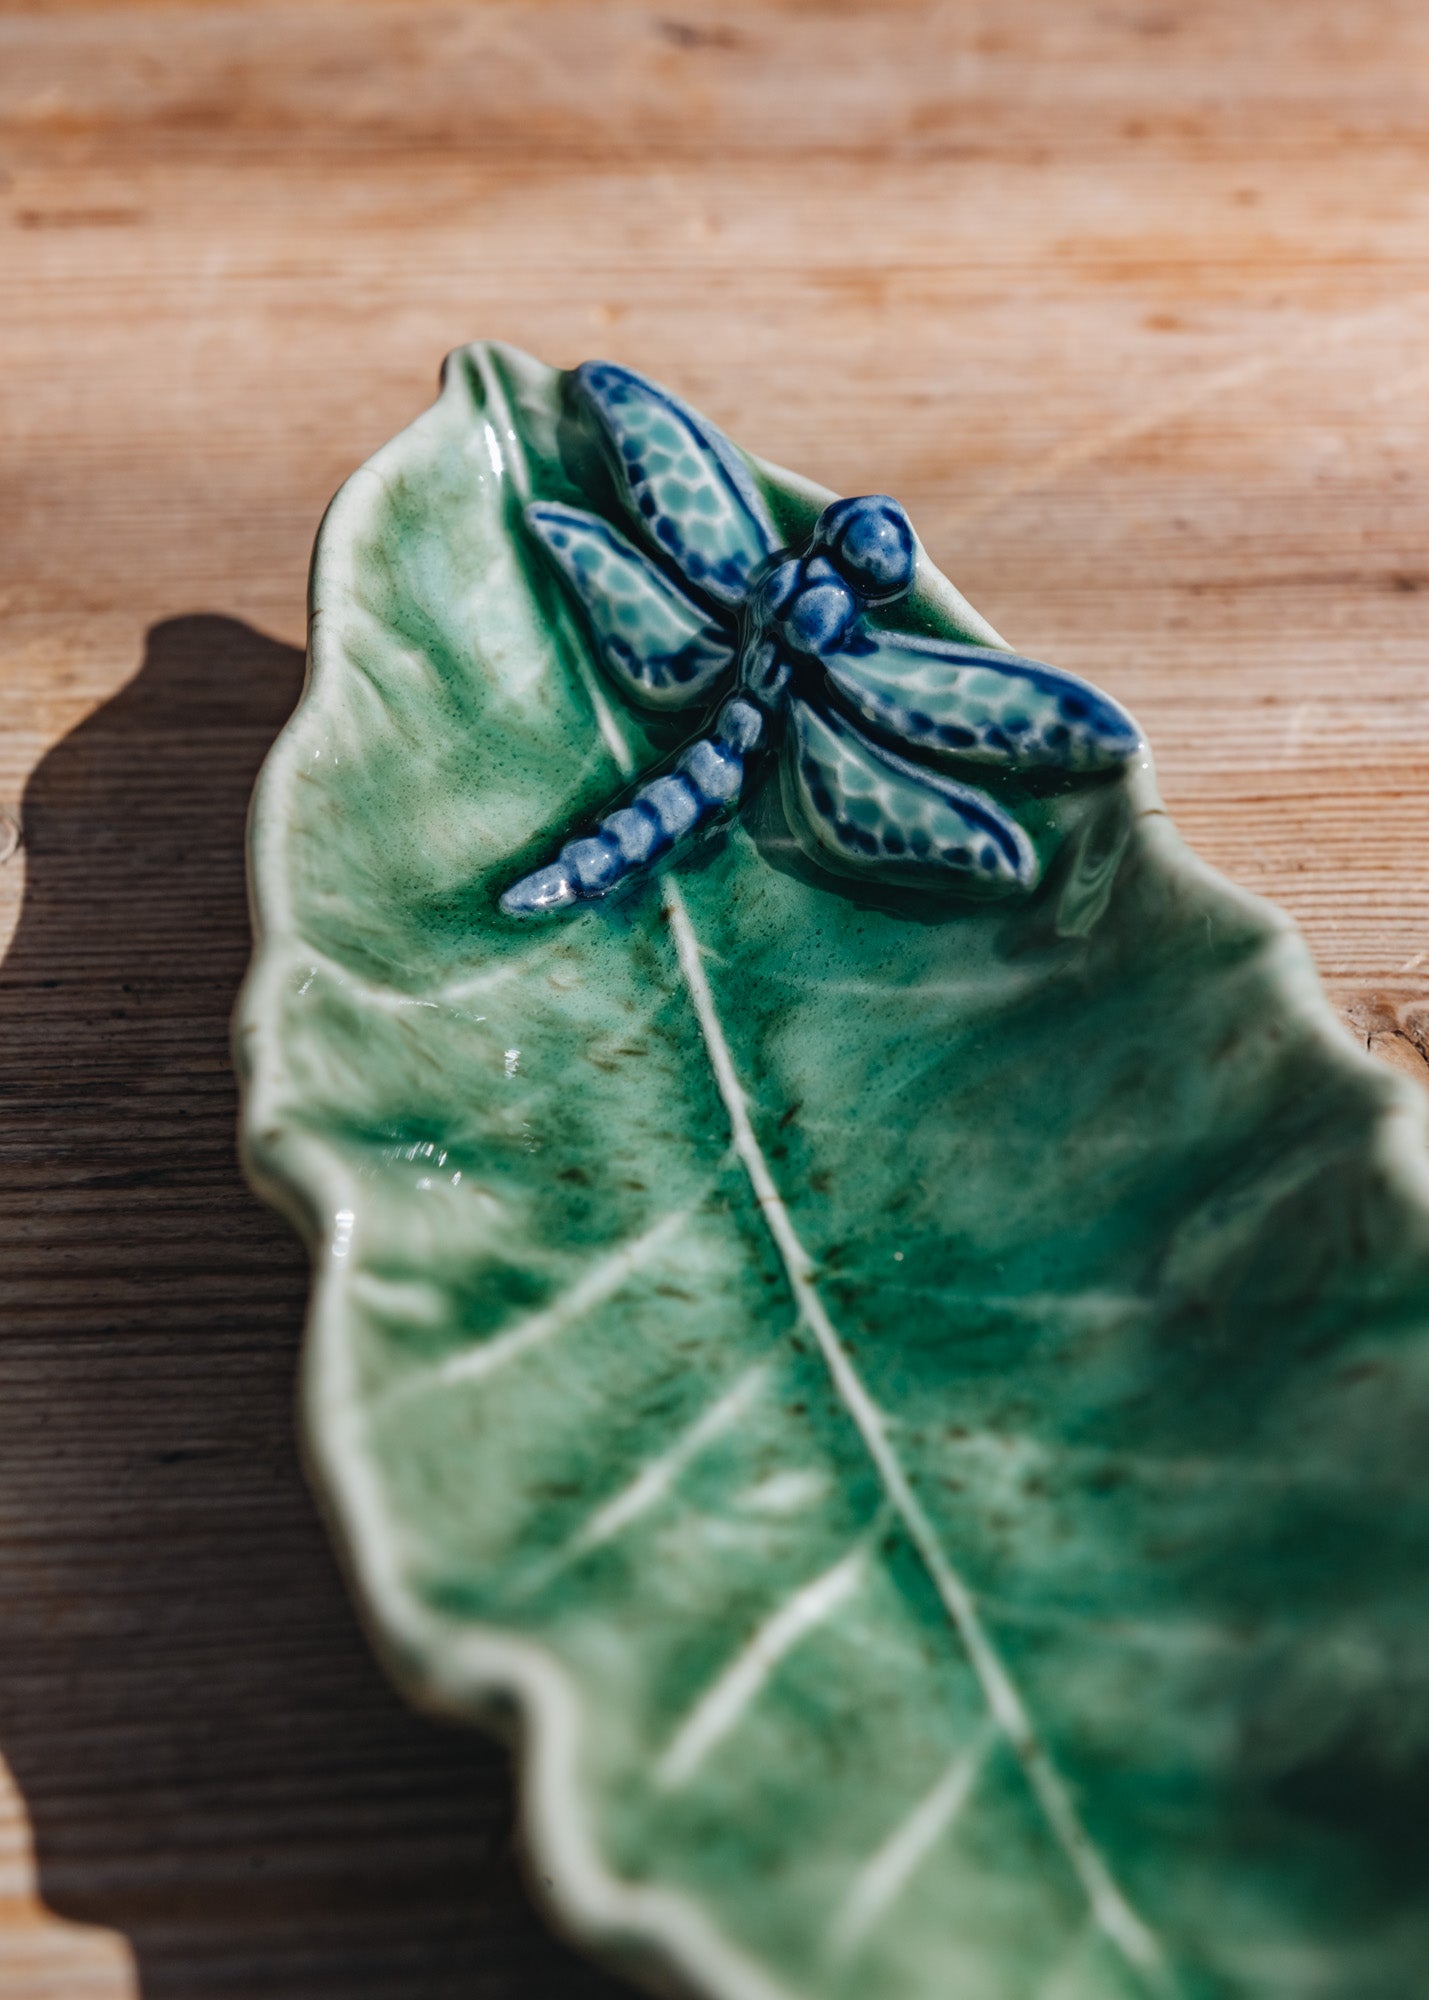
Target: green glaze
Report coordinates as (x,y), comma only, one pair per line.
(922,1416)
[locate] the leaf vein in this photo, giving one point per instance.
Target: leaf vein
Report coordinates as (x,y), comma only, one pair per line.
(883,1877)
(599,1283)
(654,1479)
(719,1709)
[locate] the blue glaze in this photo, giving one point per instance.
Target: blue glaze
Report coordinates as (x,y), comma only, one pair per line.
(870,541)
(864,804)
(661,650)
(680,476)
(980,704)
(821,614)
(743,617)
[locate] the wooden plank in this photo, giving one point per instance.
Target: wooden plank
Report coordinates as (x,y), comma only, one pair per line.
(1129,305)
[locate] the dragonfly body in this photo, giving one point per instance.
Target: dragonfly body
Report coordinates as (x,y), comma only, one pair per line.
(786,637)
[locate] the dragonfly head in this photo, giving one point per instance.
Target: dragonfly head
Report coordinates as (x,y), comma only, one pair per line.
(862,554)
(869,540)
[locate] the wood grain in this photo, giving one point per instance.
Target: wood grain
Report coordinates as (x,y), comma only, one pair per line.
(1128,302)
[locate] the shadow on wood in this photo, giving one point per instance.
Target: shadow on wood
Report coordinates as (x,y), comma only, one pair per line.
(212,1764)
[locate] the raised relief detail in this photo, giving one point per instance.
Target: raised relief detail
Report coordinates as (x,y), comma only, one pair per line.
(783,646)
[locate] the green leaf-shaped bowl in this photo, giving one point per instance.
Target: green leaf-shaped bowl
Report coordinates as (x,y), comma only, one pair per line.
(920,1421)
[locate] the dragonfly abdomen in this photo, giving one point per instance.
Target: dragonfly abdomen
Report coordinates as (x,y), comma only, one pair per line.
(707,780)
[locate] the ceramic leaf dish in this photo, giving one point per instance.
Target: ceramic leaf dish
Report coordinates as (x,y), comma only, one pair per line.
(863,1305)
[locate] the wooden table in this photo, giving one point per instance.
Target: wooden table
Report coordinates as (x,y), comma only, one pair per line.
(1128,302)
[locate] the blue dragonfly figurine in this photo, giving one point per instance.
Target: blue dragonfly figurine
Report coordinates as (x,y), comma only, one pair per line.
(707,608)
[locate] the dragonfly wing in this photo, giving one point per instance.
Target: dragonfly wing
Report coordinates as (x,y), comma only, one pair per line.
(681,479)
(873,810)
(659,649)
(978,703)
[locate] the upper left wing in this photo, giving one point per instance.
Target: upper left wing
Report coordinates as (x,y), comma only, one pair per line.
(681,479)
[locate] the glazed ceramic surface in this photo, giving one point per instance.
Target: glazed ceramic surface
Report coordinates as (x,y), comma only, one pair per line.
(914,1405)
(798,636)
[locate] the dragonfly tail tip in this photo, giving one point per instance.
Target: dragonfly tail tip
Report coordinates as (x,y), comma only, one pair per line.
(540,894)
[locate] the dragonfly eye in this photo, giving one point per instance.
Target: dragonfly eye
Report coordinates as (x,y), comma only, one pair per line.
(870,541)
